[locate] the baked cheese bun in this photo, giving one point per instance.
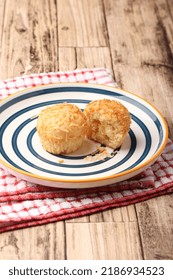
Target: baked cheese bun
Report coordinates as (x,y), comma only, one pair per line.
(62,128)
(109,122)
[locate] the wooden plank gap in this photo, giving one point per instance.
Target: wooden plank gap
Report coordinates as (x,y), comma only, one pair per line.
(139,235)
(108,39)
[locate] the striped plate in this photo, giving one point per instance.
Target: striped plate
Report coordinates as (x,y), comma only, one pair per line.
(23,155)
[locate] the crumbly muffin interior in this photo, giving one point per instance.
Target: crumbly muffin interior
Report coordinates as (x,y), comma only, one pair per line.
(109,122)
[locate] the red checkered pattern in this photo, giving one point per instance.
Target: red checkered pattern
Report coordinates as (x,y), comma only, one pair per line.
(23,204)
(96,75)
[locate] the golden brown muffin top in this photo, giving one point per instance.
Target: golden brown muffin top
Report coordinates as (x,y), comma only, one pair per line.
(62,121)
(109,110)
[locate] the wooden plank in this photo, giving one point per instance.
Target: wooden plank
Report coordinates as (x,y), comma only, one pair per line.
(42,243)
(138,32)
(67,59)
(29,41)
(156,227)
(94,57)
(102,241)
(120,214)
(81,23)
(142,62)
(164,13)
(15,52)
(45,17)
(2,9)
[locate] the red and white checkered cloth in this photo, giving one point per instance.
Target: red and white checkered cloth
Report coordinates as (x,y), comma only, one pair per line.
(23,204)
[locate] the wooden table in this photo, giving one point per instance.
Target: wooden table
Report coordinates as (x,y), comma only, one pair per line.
(134,39)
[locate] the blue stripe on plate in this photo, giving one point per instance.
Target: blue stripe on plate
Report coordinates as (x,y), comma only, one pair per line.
(42,104)
(47,103)
(16,150)
(79,101)
(18,153)
(33,151)
(74,158)
(148,142)
(131,151)
(34,93)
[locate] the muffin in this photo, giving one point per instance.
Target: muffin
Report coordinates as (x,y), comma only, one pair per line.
(62,128)
(109,122)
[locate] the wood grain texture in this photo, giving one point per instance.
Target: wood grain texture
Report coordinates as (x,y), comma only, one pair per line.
(81,23)
(142,62)
(122,214)
(42,242)
(94,57)
(103,241)
(156,227)
(29,39)
(134,39)
(67,59)
(2,8)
